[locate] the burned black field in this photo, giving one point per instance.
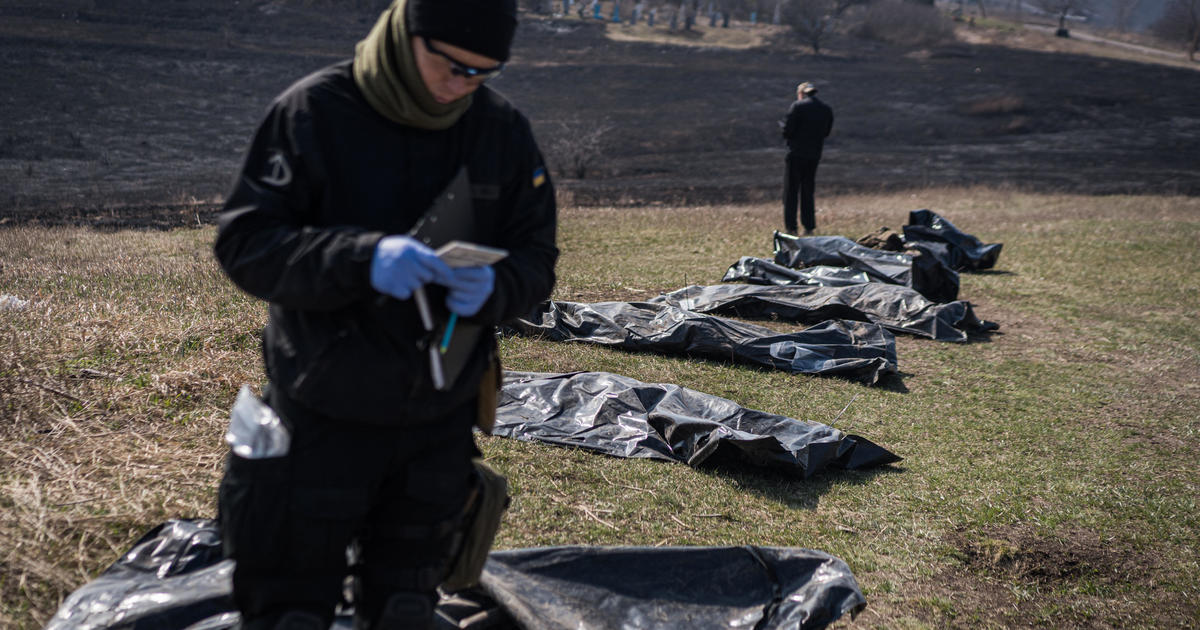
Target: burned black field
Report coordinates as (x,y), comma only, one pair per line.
(137,115)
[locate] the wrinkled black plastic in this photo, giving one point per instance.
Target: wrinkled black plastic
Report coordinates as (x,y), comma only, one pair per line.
(692,588)
(852,349)
(924,273)
(623,417)
(962,251)
(763,271)
(174,578)
(899,309)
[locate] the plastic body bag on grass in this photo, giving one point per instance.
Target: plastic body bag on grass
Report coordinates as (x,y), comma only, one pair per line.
(762,271)
(958,250)
(856,350)
(925,273)
(899,309)
(175,578)
(671,588)
(623,417)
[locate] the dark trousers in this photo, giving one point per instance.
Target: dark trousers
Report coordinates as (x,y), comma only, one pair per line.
(395,493)
(799,178)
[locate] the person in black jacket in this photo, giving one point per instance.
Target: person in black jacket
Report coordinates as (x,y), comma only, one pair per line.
(805,128)
(346,163)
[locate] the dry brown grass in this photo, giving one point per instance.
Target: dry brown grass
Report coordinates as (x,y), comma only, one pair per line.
(114,385)
(738,36)
(1042,39)
(904,24)
(993,105)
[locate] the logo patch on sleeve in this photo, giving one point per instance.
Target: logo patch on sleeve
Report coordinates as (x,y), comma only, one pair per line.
(539,176)
(277,173)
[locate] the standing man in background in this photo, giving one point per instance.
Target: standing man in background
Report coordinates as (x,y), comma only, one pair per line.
(807,124)
(346,163)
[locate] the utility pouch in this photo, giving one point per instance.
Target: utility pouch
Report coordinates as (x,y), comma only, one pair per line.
(489,394)
(481,521)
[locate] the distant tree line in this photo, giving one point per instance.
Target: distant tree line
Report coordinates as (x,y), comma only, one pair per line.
(1180,23)
(904,22)
(908,22)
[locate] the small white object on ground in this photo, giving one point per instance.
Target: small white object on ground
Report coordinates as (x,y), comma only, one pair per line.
(12,303)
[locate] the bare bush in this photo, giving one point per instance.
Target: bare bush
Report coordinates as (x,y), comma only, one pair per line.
(814,20)
(576,146)
(904,23)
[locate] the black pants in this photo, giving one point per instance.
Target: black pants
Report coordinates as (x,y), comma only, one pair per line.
(395,493)
(799,177)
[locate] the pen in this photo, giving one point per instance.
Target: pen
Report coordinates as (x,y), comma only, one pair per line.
(449,331)
(423,308)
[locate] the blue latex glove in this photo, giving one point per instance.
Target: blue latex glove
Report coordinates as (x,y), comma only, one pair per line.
(403,264)
(469,289)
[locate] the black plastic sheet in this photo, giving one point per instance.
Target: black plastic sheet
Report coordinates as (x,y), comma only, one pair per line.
(174,578)
(959,250)
(689,588)
(928,275)
(623,417)
(899,309)
(763,271)
(856,350)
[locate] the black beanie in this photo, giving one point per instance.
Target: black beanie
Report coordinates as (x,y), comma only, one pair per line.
(484,27)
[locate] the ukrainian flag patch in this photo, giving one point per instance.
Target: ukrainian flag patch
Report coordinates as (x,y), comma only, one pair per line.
(539,176)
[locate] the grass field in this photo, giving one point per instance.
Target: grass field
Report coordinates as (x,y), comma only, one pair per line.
(1050,475)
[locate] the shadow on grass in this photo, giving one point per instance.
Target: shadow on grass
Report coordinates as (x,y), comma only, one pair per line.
(892,382)
(791,491)
(981,337)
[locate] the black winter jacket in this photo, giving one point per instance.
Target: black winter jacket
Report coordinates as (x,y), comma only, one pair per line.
(808,122)
(325,178)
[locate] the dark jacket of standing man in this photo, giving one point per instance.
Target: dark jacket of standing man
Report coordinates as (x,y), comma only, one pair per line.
(343,167)
(805,128)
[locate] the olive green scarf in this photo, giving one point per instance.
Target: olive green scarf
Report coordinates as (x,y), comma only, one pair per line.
(386,72)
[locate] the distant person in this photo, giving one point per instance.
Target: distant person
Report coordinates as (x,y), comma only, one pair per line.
(344,165)
(805,128)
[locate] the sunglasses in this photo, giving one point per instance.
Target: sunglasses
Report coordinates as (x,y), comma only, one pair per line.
(458,68)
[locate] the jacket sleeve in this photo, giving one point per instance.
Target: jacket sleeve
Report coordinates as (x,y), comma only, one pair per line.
(528,231)
(791,121)
(268,238)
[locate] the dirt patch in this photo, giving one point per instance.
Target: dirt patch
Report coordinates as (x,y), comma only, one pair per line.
(1012,576)
(1021,554)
